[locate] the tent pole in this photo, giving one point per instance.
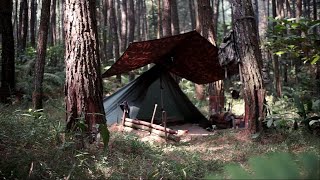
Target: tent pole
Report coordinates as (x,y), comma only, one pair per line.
(161,93)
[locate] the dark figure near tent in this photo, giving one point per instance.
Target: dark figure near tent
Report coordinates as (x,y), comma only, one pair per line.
(223,120)
(235,94)
(125,108)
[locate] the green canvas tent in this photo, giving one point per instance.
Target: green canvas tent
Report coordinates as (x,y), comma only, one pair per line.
(155,86)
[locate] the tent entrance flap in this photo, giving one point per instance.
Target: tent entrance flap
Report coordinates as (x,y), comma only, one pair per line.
(143,93)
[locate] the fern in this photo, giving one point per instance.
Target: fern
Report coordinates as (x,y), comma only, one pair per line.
(56,78)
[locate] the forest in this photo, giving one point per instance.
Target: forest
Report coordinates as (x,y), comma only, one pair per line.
(160,89)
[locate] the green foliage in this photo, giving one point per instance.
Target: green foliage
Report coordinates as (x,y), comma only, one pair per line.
(139,160)
(275,166)
(105,134)
(33,145)
(280,114)
(54,74)
(286,38)
(55,56)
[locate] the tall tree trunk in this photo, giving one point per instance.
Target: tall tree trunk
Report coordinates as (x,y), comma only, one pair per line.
(224,26)
(33,13)
(166,18)
(37,95)
(113,26)
(298,61)
(131,28)
(160,32)
(315,14)
(52,31)
(138,19)
(192,14)
(255,5)
(145,25)
(207,29)
(123,34)
(307,12)
(154,21)
(215,15)
(276,65)
(174,17)
(7,87)
(83,87)
(117,7)
(109,53)
(298,9)
(263,26)
(247,38)
(204,21)
(289,9)
(61,19)
(23,26)
(280,8)
(131,21)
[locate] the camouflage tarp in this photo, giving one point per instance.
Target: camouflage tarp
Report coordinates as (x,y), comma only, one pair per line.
(187,55)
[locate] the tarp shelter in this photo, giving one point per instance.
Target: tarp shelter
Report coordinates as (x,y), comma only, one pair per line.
(187,55)
(155,86)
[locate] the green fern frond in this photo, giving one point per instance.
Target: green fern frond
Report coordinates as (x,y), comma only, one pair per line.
(57,79)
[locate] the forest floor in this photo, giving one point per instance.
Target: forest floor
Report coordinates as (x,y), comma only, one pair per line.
(34,145)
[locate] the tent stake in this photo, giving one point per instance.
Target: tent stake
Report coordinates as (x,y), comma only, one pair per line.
(164,121)
(154,112)
(123,118)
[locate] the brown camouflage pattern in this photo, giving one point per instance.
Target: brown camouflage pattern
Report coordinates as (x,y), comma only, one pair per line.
(187,55)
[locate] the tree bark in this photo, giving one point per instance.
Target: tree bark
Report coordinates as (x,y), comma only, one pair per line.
(83,87)
(154,21)
(52,31)
(166,18)
(204,21)
(315,15)
(23,25)
(37,95)
(160,32)
(33,13)
(215,15)
(7,57)
(61,19)
(145,25)
(223,19)
(138,14)
(174,17)
(192,14)
(123,25)
(114,30)
(247,46)
(263,26)
(131,21)
(206,28)
(109,45)
(276,65)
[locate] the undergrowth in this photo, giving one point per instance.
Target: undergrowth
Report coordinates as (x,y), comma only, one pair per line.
(34,145)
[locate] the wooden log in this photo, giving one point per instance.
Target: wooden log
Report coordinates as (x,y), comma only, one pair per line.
(154,126)
(154,131)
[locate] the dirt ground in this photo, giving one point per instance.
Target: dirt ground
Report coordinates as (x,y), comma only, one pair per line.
(193,129)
